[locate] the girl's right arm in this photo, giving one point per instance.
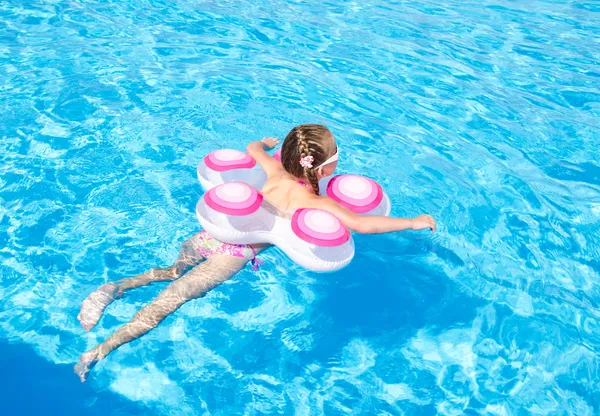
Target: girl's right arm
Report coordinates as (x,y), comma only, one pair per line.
(256,150)
(370,224)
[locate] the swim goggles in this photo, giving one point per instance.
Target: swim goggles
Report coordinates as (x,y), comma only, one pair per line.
(332,159)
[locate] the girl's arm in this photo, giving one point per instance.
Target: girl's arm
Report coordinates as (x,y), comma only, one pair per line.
(370,224)
(256,150)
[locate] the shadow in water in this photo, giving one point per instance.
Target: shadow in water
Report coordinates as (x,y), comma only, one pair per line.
(32,385)
(396,294)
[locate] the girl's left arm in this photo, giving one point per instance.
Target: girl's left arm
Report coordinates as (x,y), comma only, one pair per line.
(256,150)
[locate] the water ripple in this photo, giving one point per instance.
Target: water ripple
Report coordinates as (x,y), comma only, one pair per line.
(484,114)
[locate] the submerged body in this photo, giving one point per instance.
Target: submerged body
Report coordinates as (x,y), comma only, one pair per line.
(203,264)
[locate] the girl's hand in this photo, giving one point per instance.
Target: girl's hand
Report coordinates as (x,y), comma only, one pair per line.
(270,142)
(422,222)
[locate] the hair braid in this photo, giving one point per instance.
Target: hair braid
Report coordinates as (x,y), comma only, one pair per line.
(311,175)
(306,140)
(306,148)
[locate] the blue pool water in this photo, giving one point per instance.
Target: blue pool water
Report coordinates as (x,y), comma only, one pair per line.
(484,114)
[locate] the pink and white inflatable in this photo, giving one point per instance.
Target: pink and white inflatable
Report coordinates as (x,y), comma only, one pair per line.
(233,210)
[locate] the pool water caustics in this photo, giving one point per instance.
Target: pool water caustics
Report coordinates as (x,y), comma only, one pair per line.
(484,114)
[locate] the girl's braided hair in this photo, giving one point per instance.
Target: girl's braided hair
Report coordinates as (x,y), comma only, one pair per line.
(306,140)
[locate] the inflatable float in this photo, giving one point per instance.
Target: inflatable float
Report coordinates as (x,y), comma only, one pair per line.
(234,211)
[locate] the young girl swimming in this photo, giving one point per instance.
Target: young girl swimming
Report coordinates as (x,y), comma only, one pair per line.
(309,153)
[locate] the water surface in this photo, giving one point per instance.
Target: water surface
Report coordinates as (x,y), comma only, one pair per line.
(483,114)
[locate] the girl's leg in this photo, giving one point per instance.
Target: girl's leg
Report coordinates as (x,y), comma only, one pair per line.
(194,284)
(93,306)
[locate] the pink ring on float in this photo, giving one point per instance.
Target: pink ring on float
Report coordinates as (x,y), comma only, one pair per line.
(227,159)
(234,198)
(319,227)
(357,193)
(277,155)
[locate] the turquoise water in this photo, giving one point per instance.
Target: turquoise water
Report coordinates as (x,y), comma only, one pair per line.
(483,114)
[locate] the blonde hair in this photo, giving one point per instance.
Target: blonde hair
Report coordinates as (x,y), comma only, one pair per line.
(306,140)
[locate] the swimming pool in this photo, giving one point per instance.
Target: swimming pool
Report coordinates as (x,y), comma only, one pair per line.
(483,114)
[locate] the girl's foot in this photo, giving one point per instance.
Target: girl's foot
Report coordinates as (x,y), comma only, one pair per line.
(93,306)
(87,361)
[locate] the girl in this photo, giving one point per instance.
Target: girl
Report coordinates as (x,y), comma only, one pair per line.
(309,153)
